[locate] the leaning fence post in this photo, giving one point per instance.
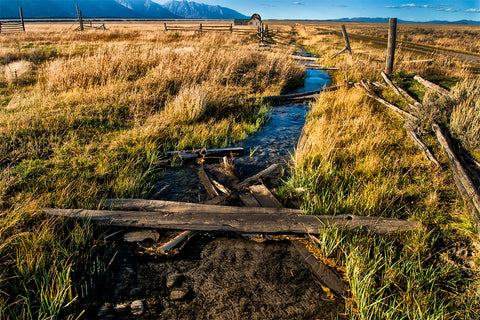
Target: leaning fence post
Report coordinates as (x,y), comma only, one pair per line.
(21,18)
(79,13)
(392,40)
(345,38)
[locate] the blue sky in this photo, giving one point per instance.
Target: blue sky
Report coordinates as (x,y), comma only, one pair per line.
(322,9)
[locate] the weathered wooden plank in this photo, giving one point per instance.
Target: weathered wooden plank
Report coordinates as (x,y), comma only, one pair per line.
(302,58)
(464,183)
(402,93)
(261,175)
(410,126)
(178,240)
(197,153)
(217,200)
(323,273)
(264,197)
(248,200)
(373,95)
(236,219)
(431,85)
(205,181)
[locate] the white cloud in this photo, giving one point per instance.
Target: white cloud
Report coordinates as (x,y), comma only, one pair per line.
(298,3)
(473,10)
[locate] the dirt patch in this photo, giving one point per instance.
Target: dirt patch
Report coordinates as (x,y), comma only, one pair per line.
(216,276)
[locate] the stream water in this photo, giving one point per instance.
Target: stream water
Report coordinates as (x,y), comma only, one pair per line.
(274,143)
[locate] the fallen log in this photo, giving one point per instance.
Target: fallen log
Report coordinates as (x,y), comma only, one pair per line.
(411,130)
(261,175)
(207,184)
(198,153)
(292,96)
(431,85)
(177,216)
(180,239)
(373,95)
(264,197)
(320,270)
(302,58)
(464,183)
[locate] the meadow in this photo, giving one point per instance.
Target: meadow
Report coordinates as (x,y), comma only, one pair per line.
(86,116)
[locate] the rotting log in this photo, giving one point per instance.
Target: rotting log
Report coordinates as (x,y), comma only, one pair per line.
(264,197)
(373,95)
(180,239)
(207,184)
(402,93)
(198,153)
(464,183)
(177,216)
(411,130)
(431,85)
(320,270)
(261,175)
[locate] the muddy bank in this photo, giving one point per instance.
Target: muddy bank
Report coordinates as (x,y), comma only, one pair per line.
(216,276)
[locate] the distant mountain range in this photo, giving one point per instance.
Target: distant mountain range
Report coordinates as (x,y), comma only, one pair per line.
(125,9)
(384,20)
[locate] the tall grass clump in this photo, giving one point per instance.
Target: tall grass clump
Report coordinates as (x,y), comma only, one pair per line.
(465,116)
(355,158)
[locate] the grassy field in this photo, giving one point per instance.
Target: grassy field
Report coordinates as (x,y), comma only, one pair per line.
(355,157)
(84,116)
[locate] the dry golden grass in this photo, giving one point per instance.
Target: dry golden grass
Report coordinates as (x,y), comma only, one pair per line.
(88,115)
(355,158)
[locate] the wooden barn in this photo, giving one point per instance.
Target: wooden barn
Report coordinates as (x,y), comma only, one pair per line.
(255,20)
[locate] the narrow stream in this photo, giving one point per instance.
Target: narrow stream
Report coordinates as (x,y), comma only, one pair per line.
(274,143)
(277,140)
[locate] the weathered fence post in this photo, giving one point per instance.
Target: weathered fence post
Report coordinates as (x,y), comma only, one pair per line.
(231,28)
(165,26)
(79,13)
(201,28)
(345,38)
(0,27)
(262,35)
(21,18)
(392,40)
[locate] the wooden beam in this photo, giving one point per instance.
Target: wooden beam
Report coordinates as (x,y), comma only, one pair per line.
(373,95)
(431,85)
(323,273)
(465,185)
(205,181)
(180,239)
(345,38)
(392,41)
(411,130)
(177,216)
(248,200)
(197,153)
(264,197)
(261,175)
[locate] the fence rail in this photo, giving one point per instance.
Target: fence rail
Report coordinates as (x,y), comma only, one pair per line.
(11,27)
(261,32)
